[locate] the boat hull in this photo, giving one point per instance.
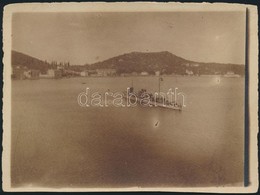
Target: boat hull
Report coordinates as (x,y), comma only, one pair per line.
(155,104)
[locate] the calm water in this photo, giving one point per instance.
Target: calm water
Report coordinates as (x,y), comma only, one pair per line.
(57,143)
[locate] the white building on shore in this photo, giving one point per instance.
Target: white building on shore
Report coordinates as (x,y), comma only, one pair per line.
(52,74)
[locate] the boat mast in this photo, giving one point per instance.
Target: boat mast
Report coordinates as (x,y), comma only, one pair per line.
(159,83)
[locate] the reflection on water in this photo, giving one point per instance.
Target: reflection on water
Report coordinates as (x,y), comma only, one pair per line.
(57,143)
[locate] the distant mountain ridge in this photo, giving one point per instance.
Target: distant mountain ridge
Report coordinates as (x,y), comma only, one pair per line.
(165,62)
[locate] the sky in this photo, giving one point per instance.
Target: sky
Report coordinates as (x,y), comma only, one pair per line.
(85,38)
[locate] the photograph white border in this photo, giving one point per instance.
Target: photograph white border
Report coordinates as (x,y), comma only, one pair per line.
(252,53)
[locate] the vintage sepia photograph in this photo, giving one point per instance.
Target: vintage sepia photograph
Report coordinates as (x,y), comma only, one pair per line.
(109,98)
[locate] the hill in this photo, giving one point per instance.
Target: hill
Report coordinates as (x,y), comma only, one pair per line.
(165,62)
(23,60)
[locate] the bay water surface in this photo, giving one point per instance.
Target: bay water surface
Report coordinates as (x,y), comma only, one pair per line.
(57,143)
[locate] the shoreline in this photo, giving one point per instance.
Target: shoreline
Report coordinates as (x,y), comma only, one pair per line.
(138,76)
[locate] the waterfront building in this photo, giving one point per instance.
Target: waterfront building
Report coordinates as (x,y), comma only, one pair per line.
(84,73)
(144,73)
(52,74)
(18,73)
(106,72)
(189,72)
(32,74)
(157,73)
